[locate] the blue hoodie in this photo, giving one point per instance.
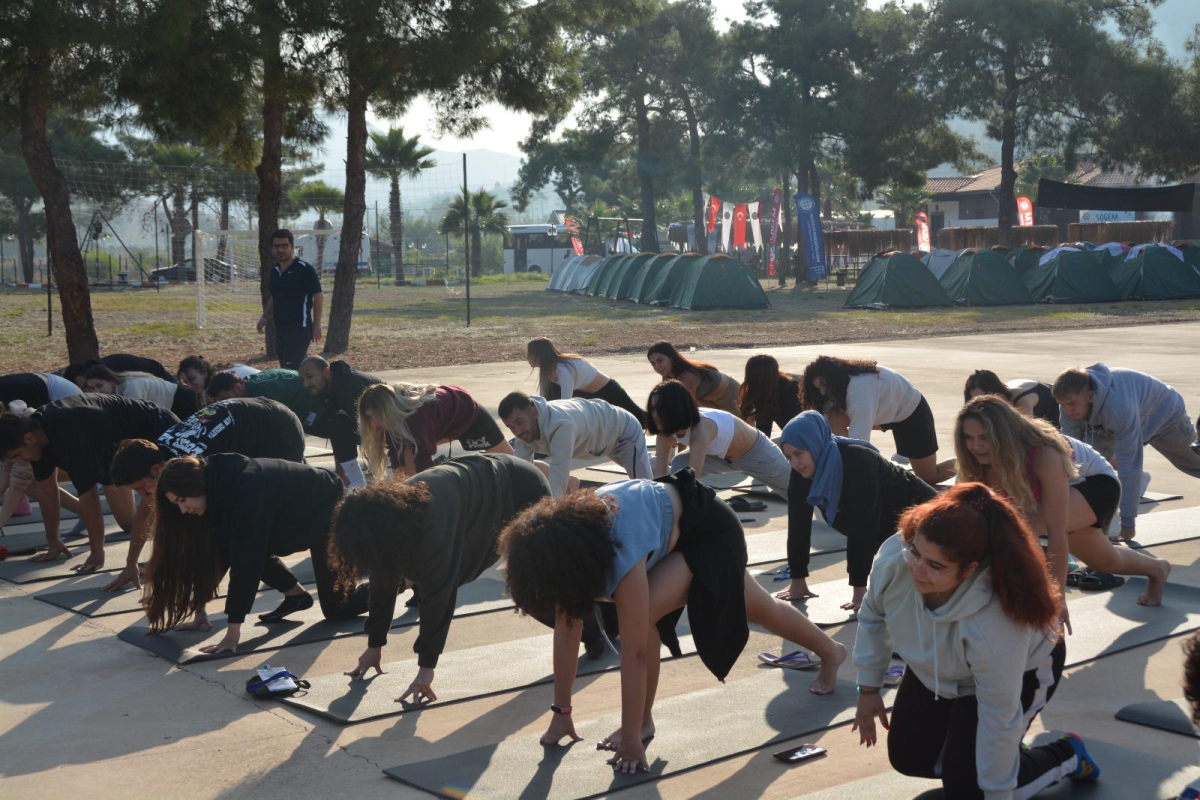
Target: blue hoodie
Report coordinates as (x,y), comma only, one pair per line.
(1133,408)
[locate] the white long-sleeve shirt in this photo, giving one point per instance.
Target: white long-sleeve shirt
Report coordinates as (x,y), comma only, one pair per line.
(573,374)
(574,429)
(879,398)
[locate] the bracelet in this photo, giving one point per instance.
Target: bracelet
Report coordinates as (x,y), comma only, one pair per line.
(562,712)
(868,690)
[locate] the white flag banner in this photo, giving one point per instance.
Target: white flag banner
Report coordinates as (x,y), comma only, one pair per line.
(726,225)
(755,224)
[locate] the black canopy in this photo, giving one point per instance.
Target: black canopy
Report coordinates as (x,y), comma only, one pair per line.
(1052,194)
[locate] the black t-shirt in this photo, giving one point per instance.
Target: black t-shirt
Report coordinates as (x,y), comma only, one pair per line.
(86,429)
(29,387)
(255,427)
(124,362)
(292,293)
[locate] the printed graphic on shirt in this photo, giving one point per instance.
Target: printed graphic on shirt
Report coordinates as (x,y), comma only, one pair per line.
(195,435)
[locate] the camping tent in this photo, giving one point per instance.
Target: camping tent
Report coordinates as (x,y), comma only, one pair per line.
(1025,258)
(897,280)
(645,273)
(603,272)
(1155,274)
(939,261)
(716,281)
(566,275)
(984,278)
(656,288)
(616,283)
(1072,276)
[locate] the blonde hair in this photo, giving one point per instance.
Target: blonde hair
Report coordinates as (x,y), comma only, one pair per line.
(394,404)
(1011,435)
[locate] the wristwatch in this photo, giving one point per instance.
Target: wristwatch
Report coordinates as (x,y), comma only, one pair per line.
(562,712)
(867,689)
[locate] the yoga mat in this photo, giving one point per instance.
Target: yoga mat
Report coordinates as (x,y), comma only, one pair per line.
(1174,716)
(63,513)
(1124,775)
(694,729)
(1165,527)
(306,627)
(824,610)
(30,539)
(21,570)
(771,546)
(1106,623)
(1158,497)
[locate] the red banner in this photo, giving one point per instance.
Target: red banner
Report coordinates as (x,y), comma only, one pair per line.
(776,209)
(714,208)
(1025,210)
(923,242)
(739,226)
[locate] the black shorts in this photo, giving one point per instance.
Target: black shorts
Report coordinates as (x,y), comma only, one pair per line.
(915,436)
(1103,495)
(483,434)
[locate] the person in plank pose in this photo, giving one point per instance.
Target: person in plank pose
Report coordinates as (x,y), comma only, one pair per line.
(858,396)
(768,396)
(652,548)
(712,388)
(403,424)
(117,362)
(229,512)
(79,434)
(1032,398)
(1118,412)
(562,376)
(281,385)
(23,393)
(716,441)
(196,373)
(1065,489)
(338,387)
(860,493)
(962,595)
(178,399)
(569,429)
(254,427)
(437,530)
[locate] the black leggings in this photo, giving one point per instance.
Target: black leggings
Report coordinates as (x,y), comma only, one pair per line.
(615,395)
(334,604)
(926,730)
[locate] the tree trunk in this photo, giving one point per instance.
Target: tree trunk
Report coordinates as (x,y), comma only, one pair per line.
(695,177)
(649,224)
(1008,140)
(179,228)
(784,259)
(62,248)
(223,224)
(322,224)
(270,192)
(397,226)
(355,206)
(25,238)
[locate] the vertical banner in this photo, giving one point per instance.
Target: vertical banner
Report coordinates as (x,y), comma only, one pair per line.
(726,225)
(1025,211)
(923,239)
(739,226)
(776,214)
(576,243)
(813,236)
(714,206)
(755,225)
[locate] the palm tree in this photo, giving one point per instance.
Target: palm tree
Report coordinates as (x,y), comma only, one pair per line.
(486,217)
(322,198)
(392,155)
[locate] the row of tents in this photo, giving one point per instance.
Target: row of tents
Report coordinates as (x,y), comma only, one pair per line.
(1077,273)
(689,281)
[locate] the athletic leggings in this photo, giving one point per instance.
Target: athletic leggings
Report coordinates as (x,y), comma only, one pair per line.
(334,604)
(612,393)
(935,738)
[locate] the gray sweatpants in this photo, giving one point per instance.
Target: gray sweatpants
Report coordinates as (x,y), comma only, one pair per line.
(763,461)
(630,453)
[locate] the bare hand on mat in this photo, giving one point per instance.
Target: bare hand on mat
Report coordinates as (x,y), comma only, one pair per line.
(233,635)
(630,757)
(54,551)
(131,574)
(560,726)
(94,562)
(421,689)
(369,658)
(870,707)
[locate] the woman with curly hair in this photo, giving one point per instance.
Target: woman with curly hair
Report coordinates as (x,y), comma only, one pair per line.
(768,395)
(652,548)
(562,376)
(711,387)
(1066,490)
(962,595)
(860,396)
(438,532)
(1032,398)
(229,512)
(406,422)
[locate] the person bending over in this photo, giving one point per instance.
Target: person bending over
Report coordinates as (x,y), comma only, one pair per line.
(570,429)
(1032,398)
(768,396)
(231,512)
(860,493)
(117,362)
(281,385)
(179,399)
(1118,412)
(1065,489)
(715,441)
(23,393)
(962,595)
(79,435)
(338,387)
(859,396)
(196,373)
(562,376)
(438,531)
(35,389)
(251,427)
(712,388)
(652,548)
(403,424)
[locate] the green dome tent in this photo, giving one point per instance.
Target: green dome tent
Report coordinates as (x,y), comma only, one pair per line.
(1025,258)
(616,284)
(717,281)
(603,272)
(645,274)
(1071,276)
(657,288)
(983,278)
(897,280)
(572,274)
(1155,273)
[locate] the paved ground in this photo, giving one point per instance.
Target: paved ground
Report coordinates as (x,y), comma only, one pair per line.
(82,712)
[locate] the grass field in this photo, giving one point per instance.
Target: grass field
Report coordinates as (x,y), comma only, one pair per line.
(411,326)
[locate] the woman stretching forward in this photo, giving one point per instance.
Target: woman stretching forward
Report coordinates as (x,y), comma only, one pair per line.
(562,376)
(768,396)
(962,595)
(175,397)
(711,387)
(652,547)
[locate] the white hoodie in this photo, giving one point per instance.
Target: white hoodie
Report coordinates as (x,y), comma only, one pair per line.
(575,429)
(968,646)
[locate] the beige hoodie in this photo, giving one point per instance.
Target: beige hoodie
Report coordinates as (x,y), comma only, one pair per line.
(575,429)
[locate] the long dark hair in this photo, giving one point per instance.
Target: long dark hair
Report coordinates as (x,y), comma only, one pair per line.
(675,406)
(837,373)
(679,364)
(186,564)
(548,358)
(758,396)
(198,363)
(376,532)
(989,382)
(971,523)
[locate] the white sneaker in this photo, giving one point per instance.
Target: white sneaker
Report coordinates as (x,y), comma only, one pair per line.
(1145,482)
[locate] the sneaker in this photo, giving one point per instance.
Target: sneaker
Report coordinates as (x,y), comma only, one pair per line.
(290,605)
(415,599)
(1145,483)
(1087,769)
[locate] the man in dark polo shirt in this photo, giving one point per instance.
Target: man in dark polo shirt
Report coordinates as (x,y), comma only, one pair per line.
(296,302)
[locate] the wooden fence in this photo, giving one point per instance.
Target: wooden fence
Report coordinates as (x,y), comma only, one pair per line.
(1133,233)
(983,238)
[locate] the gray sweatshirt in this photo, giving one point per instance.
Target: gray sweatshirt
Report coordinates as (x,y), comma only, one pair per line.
(1133,408)
(575,429)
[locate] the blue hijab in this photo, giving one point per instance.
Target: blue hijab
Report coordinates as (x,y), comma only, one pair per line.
(811,432)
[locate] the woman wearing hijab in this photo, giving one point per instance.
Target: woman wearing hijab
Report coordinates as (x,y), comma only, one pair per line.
(860,494)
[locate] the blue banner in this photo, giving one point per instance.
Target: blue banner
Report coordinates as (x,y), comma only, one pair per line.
(812,236)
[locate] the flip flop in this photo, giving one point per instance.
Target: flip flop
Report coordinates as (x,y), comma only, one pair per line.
(746,506)
(781,574)
(797,659)
(894,675)
(1075,576)
(1100,582)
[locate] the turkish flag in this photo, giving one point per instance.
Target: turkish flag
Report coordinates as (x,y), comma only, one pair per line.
(739,226)
(714,208)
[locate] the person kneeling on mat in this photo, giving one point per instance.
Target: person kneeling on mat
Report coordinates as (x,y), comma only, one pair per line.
(437,530)
(229,511)
(652,548)
(963,596)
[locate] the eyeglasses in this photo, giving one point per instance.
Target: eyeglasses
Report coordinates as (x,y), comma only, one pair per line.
(914,560)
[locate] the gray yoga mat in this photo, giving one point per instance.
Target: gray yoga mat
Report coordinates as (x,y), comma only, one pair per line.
(825,609)
(183,647)
(1158,497)
(1174,716)
(21,570)
(1106,623)
(1165,527)
(742,716)
(29,539)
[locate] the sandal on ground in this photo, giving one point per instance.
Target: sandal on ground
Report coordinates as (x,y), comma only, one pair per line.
(1074,576)
(746,506)
(1100,582)
(797,659)
(781,574)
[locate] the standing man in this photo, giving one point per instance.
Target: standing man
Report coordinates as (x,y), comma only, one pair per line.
(296,303)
